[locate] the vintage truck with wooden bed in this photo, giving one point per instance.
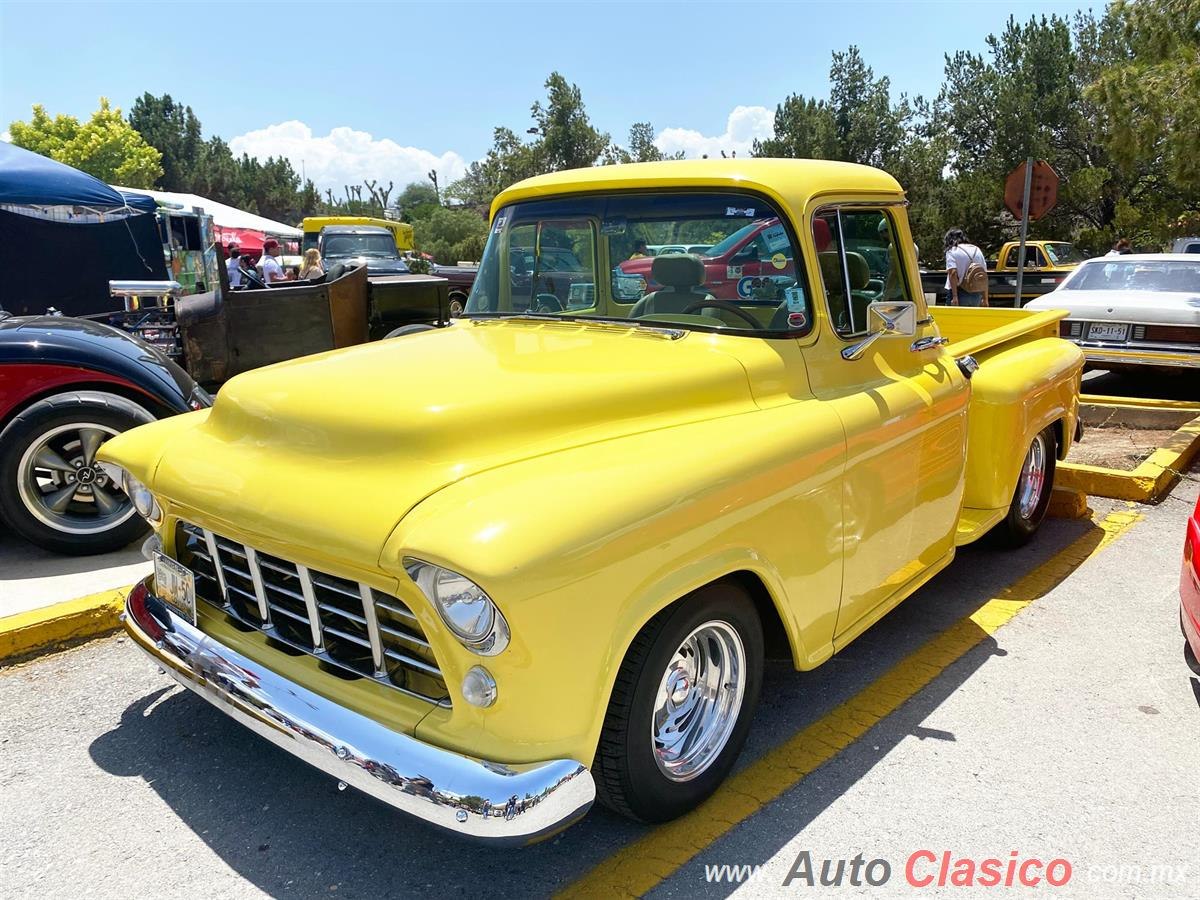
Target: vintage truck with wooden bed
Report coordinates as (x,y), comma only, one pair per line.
(488,599)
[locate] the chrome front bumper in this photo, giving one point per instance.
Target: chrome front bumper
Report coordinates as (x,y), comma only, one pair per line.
(522,802)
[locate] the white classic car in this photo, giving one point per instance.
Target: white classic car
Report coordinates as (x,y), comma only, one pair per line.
(1136,309)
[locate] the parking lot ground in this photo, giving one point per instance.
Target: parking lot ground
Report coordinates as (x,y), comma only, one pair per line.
(32,578)
(1067,730)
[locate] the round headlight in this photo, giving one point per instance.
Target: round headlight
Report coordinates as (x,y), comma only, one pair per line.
(463,605)
(466,608)
(141,498)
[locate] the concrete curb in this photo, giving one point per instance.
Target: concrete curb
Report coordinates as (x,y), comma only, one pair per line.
(41,630)
(1066,503)
(1145,402)
(1151,480)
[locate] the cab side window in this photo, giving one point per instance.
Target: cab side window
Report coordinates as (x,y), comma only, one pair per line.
(860,263)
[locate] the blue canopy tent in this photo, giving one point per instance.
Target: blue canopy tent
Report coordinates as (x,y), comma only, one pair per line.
(65,234)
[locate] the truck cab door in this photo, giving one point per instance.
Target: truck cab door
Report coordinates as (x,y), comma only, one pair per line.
(903,406)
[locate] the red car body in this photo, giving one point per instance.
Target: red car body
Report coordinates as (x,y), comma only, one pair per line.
(732,274)
(1189,588)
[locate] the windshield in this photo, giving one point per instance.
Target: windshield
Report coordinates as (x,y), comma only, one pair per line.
(1062,254)
(594,256)
(372,245)
(1107,274)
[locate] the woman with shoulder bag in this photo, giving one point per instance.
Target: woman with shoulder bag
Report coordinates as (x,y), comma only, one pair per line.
(966,271)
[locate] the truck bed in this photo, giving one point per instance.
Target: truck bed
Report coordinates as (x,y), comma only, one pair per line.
(1027,378)
(976,331)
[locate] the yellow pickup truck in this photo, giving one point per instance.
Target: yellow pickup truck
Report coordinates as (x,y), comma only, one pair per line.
(488,599)
(1047,265)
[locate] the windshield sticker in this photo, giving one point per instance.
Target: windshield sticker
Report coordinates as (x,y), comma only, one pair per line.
(500,223)
(733,271)
(776,238)
(795,300)
(747,211)
(779,261)
(613,226)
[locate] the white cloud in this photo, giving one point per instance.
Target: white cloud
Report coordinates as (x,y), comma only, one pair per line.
(744,125)
(345,156)
(6,137)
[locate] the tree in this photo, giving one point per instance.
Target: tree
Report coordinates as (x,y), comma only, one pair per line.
(641,147)
(565,139)
(417,201)
(1149,95)
(173,130)
(451,234)
(105,146)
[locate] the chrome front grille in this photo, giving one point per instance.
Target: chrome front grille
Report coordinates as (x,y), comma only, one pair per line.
(346,624)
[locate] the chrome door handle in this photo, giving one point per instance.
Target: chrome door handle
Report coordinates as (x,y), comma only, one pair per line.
(928,343)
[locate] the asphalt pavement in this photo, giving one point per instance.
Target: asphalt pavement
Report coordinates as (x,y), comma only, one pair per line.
(1069,733)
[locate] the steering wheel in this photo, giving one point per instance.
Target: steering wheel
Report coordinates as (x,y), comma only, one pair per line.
(725,305)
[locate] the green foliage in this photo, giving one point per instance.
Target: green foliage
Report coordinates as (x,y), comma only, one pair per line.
(105,146)
(417,201)
(173,130)
(641,147)
(451,234)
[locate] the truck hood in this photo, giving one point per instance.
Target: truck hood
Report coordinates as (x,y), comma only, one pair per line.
(329,452)
(1149,307)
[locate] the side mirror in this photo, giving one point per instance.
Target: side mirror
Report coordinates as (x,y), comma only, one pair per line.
(885,319)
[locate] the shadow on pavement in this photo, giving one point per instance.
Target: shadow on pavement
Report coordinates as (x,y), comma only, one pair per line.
(284,827)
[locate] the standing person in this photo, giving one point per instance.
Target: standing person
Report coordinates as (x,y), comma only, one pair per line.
(271,269)
(640,251)
(311,267)
(966,271)
(233,266)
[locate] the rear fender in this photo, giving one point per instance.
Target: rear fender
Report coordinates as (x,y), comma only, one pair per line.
(1017,392)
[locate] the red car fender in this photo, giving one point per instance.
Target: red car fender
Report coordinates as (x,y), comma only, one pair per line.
(22,382)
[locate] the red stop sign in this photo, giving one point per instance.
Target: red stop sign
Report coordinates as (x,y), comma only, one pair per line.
(1043,190)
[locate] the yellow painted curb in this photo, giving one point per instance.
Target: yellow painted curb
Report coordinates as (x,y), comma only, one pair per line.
(1156,475)
(1066,503)
(1147,402)
(639,866)
(39,630)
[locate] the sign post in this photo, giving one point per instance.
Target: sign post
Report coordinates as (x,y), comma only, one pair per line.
(1024,231)
(1030,191)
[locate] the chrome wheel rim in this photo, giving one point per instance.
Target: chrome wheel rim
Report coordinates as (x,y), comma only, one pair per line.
(698,700)
(61,486)
(1033,478)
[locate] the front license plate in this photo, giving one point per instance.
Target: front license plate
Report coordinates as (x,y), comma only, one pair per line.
(1102,331)
(175,586)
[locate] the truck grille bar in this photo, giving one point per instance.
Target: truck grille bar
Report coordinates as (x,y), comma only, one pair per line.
(348,625)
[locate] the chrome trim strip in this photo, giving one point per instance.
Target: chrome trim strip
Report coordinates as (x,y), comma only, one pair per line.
(260,592)
(368,602)
(210,541)
(1136,357)
(438,786)
(310,603)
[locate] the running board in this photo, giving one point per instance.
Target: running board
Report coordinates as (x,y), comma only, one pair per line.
(975,523)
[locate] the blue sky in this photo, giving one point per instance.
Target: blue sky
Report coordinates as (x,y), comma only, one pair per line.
(389,89)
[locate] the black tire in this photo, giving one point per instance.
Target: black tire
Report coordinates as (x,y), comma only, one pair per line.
(408,329)
(629,780)
(26,431)
(458,304)
(1017,527)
